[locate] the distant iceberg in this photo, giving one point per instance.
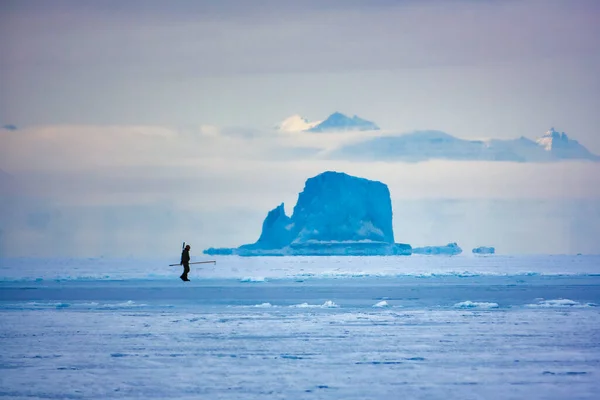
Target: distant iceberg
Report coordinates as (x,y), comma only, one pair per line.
(336,214)
(450,249)
(484,250)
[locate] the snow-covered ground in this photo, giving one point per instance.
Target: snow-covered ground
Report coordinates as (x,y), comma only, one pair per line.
(466,327)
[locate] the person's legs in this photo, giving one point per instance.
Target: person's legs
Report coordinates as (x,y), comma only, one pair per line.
(186,270)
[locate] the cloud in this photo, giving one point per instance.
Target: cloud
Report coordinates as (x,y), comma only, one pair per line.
(96,148)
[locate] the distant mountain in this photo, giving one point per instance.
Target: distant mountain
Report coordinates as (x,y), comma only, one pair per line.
(519,150)
(296,123)
(413,147)
(10,127)
(340,122)
(426,145)
(334,123)
(561,147)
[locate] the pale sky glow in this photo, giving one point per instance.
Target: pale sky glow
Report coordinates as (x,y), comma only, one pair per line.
(145,123)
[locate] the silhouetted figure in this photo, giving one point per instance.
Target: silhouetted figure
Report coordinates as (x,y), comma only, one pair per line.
(185,261)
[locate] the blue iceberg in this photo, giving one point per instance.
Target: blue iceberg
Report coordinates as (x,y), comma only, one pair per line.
(484,250)
(336,214)
(451,249)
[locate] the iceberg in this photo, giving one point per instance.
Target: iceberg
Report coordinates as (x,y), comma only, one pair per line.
(484,250)
(450,249)
(336,214)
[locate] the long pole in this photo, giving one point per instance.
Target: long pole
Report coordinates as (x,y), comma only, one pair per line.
(197,262)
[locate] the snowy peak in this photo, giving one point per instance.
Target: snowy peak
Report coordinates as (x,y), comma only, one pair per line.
(552,138)
(296,123)
(334,123)
(340,122)
(559,146)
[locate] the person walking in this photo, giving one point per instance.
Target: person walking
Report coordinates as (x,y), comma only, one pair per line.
(185,261)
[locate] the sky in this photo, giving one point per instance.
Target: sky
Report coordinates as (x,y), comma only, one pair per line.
(141,124)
